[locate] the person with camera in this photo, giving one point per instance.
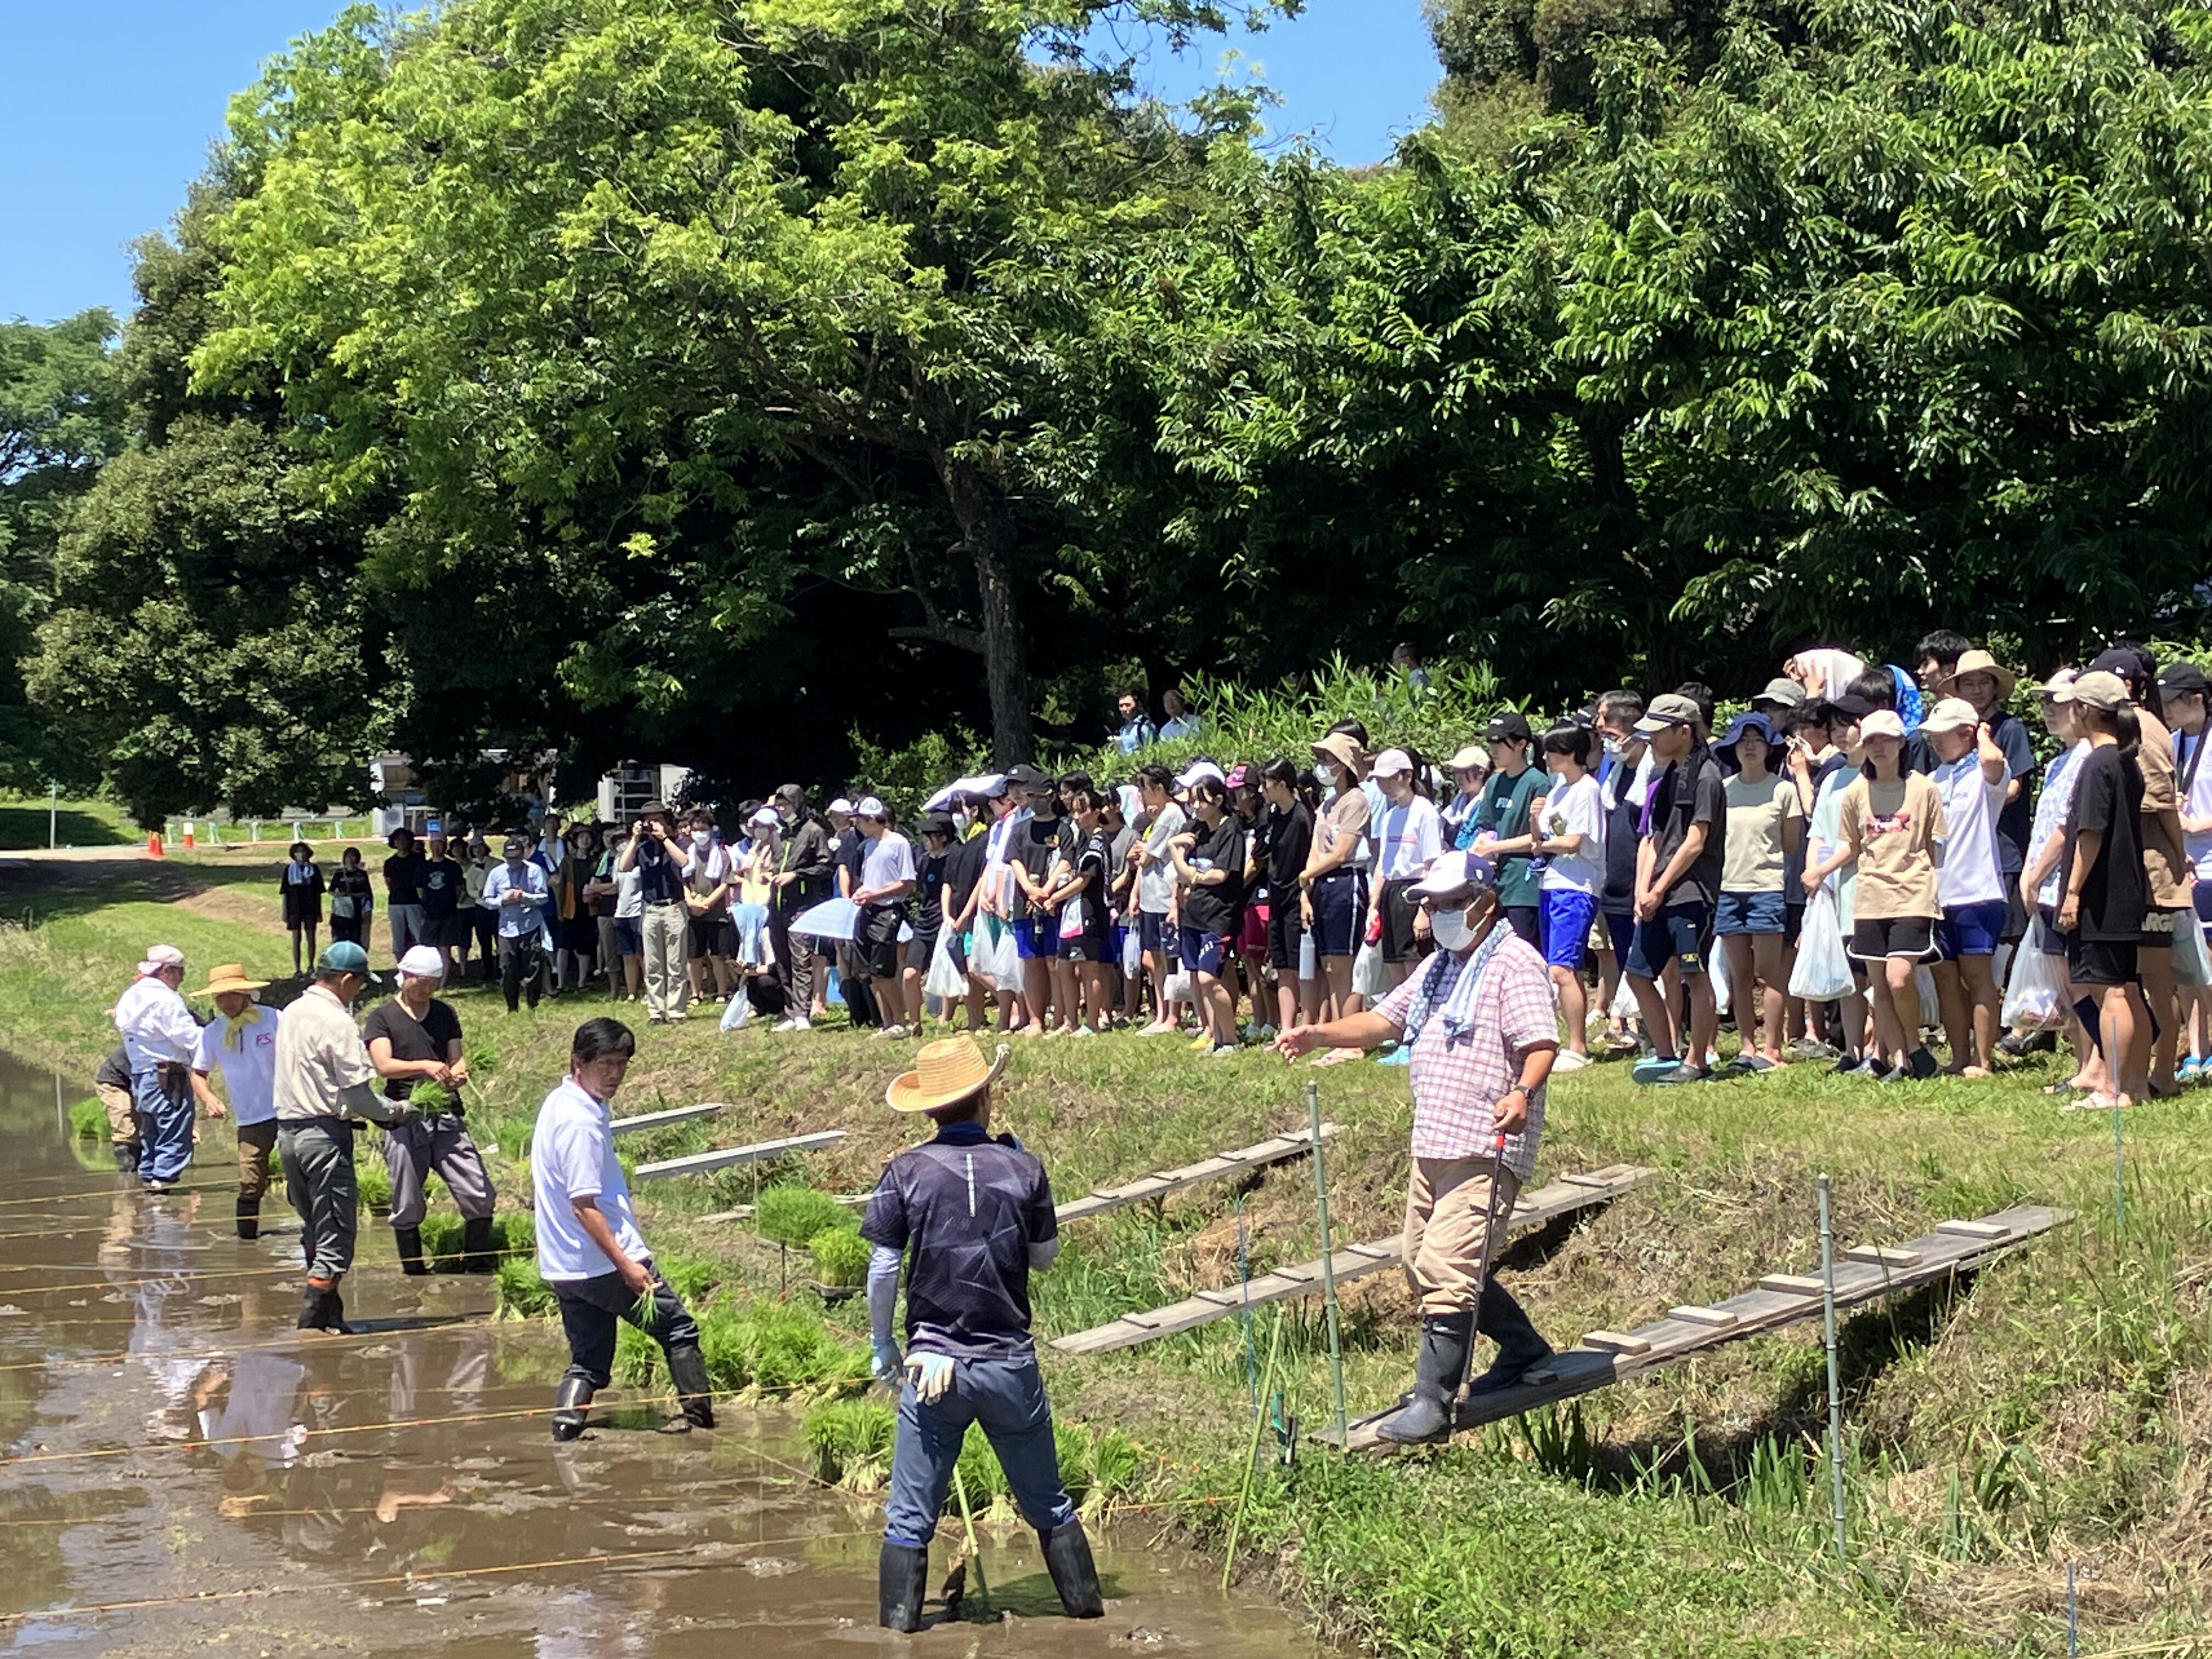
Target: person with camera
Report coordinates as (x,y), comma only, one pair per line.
(661,862)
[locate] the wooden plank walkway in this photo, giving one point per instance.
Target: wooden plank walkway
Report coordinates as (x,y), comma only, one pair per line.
(701,1163)
(1538,1208)
(1159,1184)
(1866,1273)
(661,1120)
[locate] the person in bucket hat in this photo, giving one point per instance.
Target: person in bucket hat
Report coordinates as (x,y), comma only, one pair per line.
(971,1217)
(240,1044)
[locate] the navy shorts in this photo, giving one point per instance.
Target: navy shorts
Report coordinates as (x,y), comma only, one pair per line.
(1202,951)
(1677,933)
(2202,895)
(629,936)
(1567,916)
(1339,908)
(1750,913)
(1972,930)
(1620,928)
(1037,937)
(1152,932)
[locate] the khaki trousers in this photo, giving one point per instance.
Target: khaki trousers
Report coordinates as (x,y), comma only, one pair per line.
(122,1107)
(1443,1240)
(256,1141)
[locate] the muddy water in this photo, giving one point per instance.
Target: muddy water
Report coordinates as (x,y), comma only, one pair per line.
(185,1472)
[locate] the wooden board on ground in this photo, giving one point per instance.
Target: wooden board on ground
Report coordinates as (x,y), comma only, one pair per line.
(623,1126)
(1161,1183)
(728,1157)
(1537,1209)
(1605,1357)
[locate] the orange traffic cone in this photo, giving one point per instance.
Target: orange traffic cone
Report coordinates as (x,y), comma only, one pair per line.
(188,835)
(153,845)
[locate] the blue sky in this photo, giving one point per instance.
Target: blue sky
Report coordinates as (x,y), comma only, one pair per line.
(108,107)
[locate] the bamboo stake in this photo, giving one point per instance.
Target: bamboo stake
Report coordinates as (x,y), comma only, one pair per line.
(1835,1388)
(1252,1452)
(1328,1263)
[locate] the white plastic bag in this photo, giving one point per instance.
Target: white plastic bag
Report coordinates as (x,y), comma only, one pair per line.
(739,1010)
(2192,964)
(1932,1005)
(1624,1004)
(1367,971)
(1133,952)
(1823,969)
(1717,971)
(1178,987)
(944,980)
(2035,996)
(1309,958)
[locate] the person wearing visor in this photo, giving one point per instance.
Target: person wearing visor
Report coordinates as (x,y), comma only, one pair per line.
(1482,1010)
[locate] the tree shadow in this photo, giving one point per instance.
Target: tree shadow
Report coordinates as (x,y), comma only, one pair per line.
(35,893)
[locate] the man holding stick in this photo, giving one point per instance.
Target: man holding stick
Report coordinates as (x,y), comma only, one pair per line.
(1482,1009)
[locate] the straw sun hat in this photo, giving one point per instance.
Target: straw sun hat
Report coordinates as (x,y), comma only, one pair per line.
(230,977)
(945,1073)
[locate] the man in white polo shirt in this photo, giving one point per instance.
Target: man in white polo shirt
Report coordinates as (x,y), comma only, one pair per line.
(241,1043)
(589,1248)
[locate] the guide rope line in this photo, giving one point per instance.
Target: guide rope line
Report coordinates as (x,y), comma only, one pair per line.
(314,1341)
(154,1275)
(114,1192)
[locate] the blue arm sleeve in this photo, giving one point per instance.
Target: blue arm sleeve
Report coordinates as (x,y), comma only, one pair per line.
(883,1295)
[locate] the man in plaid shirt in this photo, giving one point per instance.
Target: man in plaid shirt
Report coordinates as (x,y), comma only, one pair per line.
(1481,1021)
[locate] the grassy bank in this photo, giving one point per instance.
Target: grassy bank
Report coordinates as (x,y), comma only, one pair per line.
(2058,1408)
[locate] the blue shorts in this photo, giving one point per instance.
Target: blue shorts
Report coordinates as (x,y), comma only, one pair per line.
(1152,932)
(1972,930)
(1340,905)
(1677,933)
(1567,916)
(1750,913)
(1202,951)
(1036,938)
(2203,897)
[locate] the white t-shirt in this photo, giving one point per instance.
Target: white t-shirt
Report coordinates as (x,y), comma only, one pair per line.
(1970,873)
(249,1071)
(2199,802)
(889,859)
(572,1156)
(1407,838)
(2052,808)
(1378,804)
(1577,810)
(1156,882)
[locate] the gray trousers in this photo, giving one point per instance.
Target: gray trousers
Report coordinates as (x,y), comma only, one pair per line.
(440,1143)
(318,1173)
(667,987)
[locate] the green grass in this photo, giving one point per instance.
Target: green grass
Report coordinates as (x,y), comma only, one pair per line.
(24,824)
(2055,1407)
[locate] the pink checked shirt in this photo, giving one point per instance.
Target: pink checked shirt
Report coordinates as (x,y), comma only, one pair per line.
(1458,1081)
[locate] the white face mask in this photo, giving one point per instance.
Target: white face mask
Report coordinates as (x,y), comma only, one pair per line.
(1616,746)
(1326,775)
(1450,930)
(963,818)
(700,837)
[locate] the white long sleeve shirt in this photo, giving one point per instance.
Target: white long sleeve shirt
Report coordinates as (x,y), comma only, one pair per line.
(157,1029)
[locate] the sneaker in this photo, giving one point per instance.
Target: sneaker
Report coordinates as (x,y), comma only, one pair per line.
(1220,1048)
(1743,1063)
(1685,1073)
(889,1033)
(2021,1044)
(2191,1070)
(1806,1047)
(1568,1060)
(1083,1031)
(1401,1055)
(1267,1034)
(1849,1064)
(1651,1068)
(1922,1064)
(1201,1043)
(1251,1030)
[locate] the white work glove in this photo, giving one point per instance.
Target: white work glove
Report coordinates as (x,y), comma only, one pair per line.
(931,1375)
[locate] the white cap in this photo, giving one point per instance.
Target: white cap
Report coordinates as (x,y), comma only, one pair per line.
(1200,769)
(159,956)
(987,785)
(1392,761)
(1882,723)
(869,807)
(423,961)
(839,805)
(1948,715)
(941,800)
(765,818)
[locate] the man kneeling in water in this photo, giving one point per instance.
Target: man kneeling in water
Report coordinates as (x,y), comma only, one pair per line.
(977,1213)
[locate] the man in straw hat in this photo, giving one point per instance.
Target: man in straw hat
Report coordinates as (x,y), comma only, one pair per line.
(160,1036)
(241,1043)
(976,1215)
(1482,1008)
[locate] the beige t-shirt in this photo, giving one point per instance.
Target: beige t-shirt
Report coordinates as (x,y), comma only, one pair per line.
(1893,828)
(1346,815)
(2166,862)
(1756,813)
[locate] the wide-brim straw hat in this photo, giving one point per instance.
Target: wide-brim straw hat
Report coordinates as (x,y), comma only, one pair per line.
(1979,662)
(945,1073)
(230,977)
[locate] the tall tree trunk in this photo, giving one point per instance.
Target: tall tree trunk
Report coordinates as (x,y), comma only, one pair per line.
(987,525)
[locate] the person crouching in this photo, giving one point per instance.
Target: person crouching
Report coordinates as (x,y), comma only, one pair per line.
(589,1248)
(976,1215)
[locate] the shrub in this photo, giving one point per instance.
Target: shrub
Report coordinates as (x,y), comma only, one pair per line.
(519,1292)
(850,1442)
(89,1120)
(793,1215)
(840,1256)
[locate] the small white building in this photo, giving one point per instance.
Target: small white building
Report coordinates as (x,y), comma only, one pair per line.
(624,791)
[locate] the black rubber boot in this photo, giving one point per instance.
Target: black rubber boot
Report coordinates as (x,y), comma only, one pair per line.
(1523,1356)
(687,1368)
(477,1255)
(1437,1377)
(126,1158)
(249,1219)
(571,1408)
(321,1309)
(1074,1574)
(901,1581)
(410,1240)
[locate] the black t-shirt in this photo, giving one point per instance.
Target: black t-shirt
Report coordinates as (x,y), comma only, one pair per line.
(403,877)
(1094,862)
(430,1039)
(2016,818)
(1214,908)
(963,868)
(659,871)
(929,883)
(1617,777)
(1290,838)
(969,1207)
(1682,797)
(850,853)
(2108,799)
(443,885)
(1037,845)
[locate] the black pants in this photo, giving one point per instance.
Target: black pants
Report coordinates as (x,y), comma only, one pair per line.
(795,955)
(591,1308)
(521,966)
(486,928)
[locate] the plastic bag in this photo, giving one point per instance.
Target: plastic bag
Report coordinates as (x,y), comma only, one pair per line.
(1932,1005)
(1624,1004)
(2192,962)
(1367,971)
(2035,996)
(739,1010)
(1178,987)
(1823,969)
(1309,958)
(944,978)
(1717,970)
(1133,952)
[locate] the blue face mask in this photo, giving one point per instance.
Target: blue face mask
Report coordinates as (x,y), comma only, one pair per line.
(1450,930)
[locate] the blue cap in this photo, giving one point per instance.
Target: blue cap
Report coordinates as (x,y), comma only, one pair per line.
(343,958)
(1751,721)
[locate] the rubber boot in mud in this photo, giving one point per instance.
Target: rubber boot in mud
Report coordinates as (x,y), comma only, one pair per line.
(1074,1574)
(901,1582)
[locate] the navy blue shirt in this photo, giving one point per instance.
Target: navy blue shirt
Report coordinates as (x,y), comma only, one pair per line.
(965,1209)
(659,871)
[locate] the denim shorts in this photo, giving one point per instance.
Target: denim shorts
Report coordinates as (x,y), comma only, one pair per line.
(1972,930)
(1677,933)
(1567,915)
(1751,913)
